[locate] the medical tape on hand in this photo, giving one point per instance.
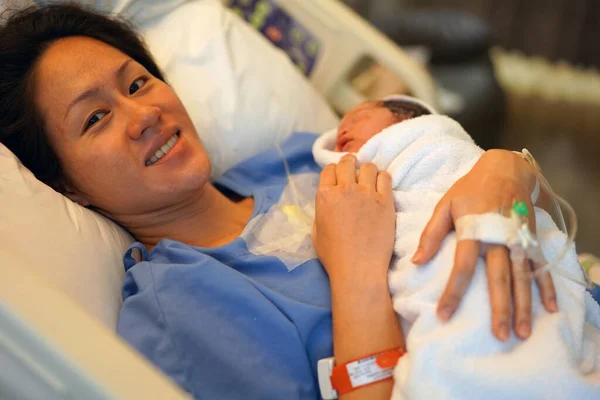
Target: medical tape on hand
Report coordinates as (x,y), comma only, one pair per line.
(495,228)
(491,228)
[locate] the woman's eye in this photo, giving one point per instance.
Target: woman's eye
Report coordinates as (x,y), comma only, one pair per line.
(94,119)
(136,85)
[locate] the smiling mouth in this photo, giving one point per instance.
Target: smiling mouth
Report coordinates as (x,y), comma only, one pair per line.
(163,150)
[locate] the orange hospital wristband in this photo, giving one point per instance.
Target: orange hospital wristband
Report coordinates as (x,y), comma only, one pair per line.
(365,371)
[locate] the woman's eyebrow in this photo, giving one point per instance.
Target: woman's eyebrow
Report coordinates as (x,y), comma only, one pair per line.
(93,91)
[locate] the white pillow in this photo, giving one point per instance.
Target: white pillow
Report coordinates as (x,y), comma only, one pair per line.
(76,249)
(243,96)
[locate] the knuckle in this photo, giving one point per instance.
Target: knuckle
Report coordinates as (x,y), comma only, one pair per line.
(501,313)
(325,193)
(464,269)
(521,274)
(452,299)
(514,190)
(365,192)
(550,296)
(329,168)
(498,256)
(350,188)
(522,312)
(501,280)
(383,200)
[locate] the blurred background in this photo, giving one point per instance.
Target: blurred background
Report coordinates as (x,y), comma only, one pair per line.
(515,73)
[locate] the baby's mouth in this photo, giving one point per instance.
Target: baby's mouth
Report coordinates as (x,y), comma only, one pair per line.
(342,142)
(164,149)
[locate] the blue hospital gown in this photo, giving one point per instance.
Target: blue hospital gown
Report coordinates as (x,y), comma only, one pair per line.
(230,322)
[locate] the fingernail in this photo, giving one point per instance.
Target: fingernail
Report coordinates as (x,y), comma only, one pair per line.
(524,329)
(553,305)
(445,313)
(417,257)
(503,331)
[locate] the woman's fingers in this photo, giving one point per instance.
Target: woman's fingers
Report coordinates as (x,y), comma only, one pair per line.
(547,291)
(384,183)
(434,233)
(367,176)
(465,260)
(328,177)
(345,171)
(498,272)
(521,287)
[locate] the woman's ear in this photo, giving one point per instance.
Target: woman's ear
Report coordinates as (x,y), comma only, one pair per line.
(70,192)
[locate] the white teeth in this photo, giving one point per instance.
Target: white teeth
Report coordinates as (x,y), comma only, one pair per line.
(163,150)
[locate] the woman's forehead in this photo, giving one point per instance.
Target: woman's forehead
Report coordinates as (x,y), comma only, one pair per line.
(78,56)
(71,66)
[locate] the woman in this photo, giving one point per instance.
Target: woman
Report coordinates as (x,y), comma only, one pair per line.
(85,107)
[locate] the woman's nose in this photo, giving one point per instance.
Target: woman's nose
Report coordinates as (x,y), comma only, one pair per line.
(142,118)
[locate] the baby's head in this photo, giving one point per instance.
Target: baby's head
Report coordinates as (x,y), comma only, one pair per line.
(369,118)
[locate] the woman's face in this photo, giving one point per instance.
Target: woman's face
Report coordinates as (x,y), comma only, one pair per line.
(107,119)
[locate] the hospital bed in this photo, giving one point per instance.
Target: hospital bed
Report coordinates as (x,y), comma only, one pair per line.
(57,318)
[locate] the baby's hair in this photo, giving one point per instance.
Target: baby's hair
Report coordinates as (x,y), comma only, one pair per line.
(403,109)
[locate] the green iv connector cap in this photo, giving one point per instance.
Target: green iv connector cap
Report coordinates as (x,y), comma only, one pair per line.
(520,208)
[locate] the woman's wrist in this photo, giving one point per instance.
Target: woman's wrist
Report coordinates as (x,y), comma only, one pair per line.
(511,163)
(364,322)
(367,277)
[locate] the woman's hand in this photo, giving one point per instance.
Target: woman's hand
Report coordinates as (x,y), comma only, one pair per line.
(497,180)
(354,238)
(355,221)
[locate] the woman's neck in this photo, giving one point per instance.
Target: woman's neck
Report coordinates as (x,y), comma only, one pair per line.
(208,220)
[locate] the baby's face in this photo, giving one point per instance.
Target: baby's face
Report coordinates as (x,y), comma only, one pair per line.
(362,123)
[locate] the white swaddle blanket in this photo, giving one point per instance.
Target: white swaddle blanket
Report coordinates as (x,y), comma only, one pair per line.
(461,359)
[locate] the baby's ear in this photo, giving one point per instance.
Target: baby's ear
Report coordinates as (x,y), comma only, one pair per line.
(62,187)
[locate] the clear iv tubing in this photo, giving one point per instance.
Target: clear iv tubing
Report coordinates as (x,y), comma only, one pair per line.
(288,172)
(557,201)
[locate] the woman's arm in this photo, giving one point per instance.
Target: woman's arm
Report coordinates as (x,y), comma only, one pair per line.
(498,179)
(354,238)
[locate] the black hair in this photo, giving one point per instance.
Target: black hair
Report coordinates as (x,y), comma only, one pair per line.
(403,109)
(24,38)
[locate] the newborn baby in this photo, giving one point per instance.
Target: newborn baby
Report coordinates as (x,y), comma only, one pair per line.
(425,153)
(369,118)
